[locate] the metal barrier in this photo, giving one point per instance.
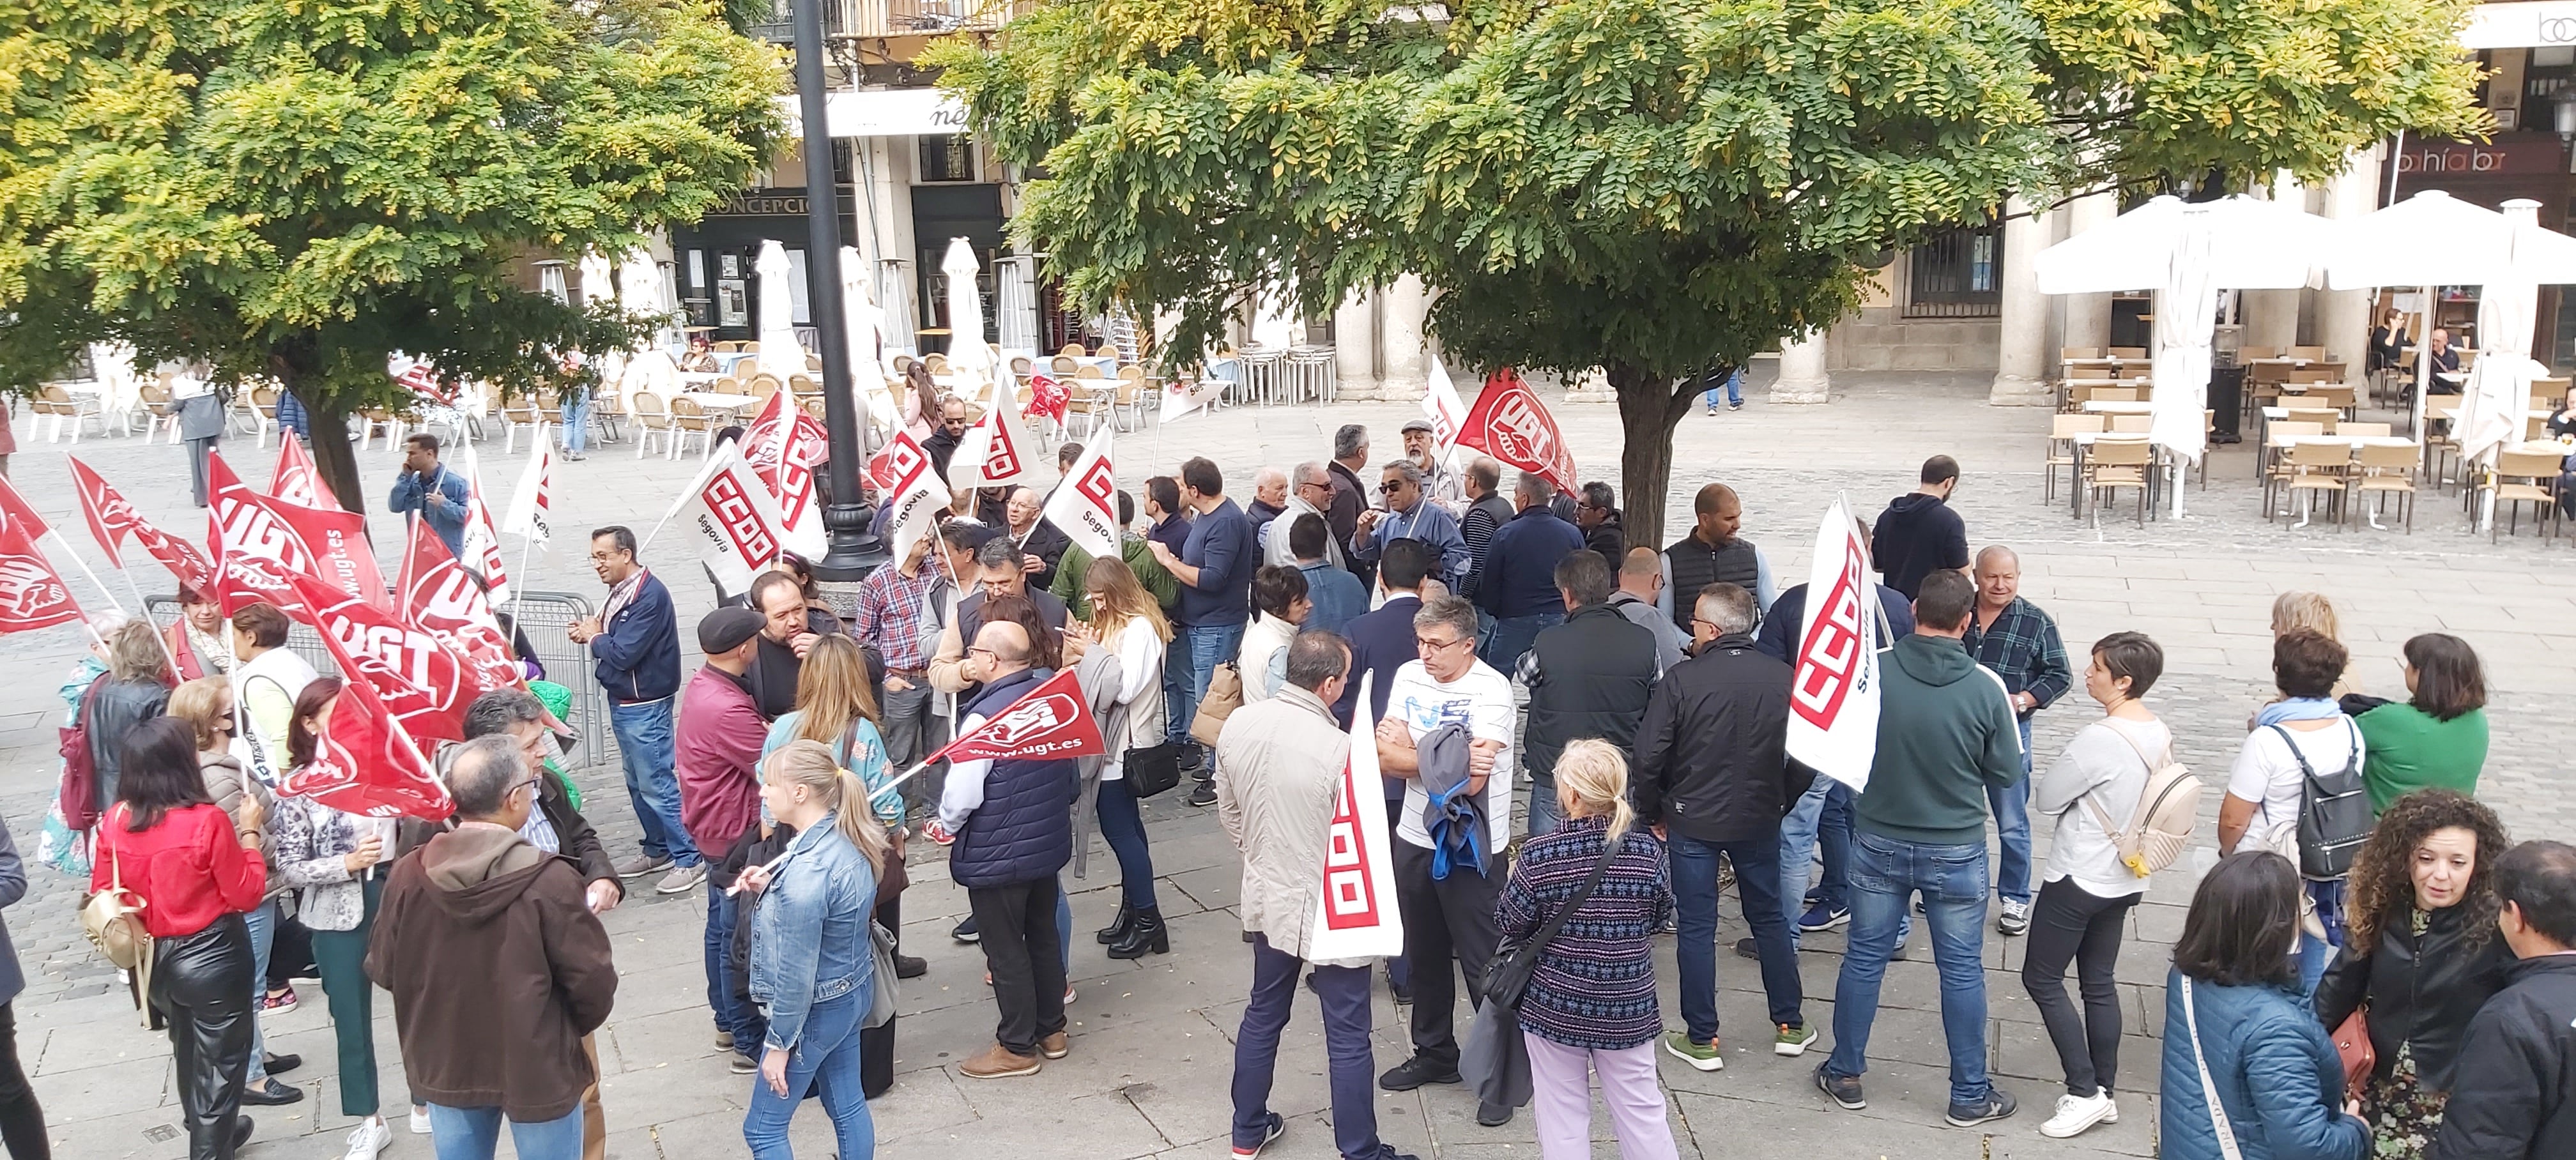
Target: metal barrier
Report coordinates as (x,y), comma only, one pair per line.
(542,618)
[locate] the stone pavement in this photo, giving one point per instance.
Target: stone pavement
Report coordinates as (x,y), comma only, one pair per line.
(1152,1041)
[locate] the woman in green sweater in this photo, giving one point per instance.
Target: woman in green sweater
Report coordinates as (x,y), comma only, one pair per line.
(2438,736)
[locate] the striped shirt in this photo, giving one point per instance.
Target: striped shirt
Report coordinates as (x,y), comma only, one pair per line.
(1595,983)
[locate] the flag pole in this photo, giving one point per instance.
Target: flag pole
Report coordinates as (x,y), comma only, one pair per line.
(144,609)
(65,546)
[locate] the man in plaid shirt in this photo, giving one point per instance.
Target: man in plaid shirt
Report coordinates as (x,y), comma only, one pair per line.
(2014,638)
(895,619)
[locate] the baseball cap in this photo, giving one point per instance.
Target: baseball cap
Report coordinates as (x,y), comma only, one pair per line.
(724,629)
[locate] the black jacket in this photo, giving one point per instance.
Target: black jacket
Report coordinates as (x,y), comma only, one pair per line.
(2514,1098)
(1712,753)
(114,708)
(1350,498)
(1588,677)
(2418,992)
(1610,539)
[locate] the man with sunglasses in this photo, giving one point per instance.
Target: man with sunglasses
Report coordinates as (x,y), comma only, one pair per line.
(1409,515)
(942,444)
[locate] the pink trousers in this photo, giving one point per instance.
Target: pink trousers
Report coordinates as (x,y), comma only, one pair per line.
(1561,1085)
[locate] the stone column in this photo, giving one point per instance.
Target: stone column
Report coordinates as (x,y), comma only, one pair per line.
(1401,358)
(2088,316)
(2021,358)
(2343,316)
(2272,316)
(1802,371)
(1355,346)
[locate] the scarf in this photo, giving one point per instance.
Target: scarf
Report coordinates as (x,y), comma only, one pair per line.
(2296,709)
(620,596)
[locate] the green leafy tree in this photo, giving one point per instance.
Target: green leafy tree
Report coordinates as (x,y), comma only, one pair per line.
(1657,187)
(292,191)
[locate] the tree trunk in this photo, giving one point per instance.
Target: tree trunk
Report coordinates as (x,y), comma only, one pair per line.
(332,455)
(1650,407)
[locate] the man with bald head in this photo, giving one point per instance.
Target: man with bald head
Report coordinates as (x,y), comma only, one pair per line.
(2020,644)
(1041,544)
(1713,554)
(1641,581)
(1012,827)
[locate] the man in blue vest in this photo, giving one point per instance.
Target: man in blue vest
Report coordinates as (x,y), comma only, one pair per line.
(1013,821)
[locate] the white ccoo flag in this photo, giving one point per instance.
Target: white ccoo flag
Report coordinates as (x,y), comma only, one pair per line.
(904,476)
(736,519)
(482,554)
(531,506)
(1833,696)
(1085,504)
(1447,412)
(1355,912)
(995,451)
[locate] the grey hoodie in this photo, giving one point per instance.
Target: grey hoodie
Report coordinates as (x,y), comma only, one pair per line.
(1945,733)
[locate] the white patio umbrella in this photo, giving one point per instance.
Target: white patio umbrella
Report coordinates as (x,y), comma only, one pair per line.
(2188,251)
(968,357)
(779,354)
(865,326)
(2433,239)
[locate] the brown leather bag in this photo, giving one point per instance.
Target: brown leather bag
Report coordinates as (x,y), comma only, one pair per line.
(2352,1042)
(1224,696)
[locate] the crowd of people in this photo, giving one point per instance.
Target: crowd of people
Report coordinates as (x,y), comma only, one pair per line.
(2364,904)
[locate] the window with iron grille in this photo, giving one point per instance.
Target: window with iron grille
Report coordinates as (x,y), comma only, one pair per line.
(947,157)
(1957,273)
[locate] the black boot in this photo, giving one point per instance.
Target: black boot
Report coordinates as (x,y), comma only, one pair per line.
(1117,930)
(1147,934)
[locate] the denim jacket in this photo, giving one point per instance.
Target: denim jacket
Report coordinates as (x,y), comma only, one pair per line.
(809,934)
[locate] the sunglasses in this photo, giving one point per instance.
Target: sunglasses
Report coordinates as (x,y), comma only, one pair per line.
(1392,488)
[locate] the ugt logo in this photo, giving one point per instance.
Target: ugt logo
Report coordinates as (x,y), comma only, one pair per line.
(1034,719)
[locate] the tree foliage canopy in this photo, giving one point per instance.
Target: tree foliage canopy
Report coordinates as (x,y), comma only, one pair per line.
(296,188)
(1654,186)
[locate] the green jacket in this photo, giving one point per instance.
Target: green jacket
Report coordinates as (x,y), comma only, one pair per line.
(1945,733)
(1140,560)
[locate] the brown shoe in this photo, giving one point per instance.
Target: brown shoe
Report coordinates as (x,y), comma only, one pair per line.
(1054,1046)
(999,1062)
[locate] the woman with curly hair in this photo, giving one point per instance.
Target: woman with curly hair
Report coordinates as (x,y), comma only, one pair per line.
(2420,957)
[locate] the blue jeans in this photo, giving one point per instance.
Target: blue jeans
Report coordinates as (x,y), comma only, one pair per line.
(824,1061)
(474,1133)
(2011,804)
(1209,645)
(2316,954)
(644,748)
(1734,389)
(1799,833)
(1176,689)
(1886,874)
(1513,636)
(262,921)
(576,423)
(1124,829)
(1543,815)
(1343,992)
(734,1015)
(1757,878)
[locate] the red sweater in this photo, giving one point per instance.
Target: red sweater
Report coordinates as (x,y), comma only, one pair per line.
(718,755)
(190,869)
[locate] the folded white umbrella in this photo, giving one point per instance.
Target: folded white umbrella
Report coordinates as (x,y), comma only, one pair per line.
(864,326)
(779,354)
(968,357)
(2499,387)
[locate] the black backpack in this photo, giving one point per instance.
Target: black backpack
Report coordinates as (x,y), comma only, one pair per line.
(2335,817)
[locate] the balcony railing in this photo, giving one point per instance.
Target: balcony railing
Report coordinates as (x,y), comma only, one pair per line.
(891,18)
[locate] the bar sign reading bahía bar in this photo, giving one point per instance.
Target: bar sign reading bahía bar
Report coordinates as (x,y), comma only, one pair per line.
(2509,153)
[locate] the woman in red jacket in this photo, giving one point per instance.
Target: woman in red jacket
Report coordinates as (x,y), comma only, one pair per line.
(196,869)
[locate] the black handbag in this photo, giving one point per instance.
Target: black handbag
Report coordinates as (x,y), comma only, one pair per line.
(1151,770)
(1507,974)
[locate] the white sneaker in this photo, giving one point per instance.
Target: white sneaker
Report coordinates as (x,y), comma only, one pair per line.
(371,1137)
(2076,1113)
(420,1121)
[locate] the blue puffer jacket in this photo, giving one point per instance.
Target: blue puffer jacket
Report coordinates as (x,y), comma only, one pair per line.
(1024,830)
(2275,1070)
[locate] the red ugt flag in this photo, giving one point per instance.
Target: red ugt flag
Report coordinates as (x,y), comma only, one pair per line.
(364,763)
(14,508)
(439,598)
(297,480)
(422,682)
(288,539)
(32,595)
(1049,722)
(111,519)
(1512,425)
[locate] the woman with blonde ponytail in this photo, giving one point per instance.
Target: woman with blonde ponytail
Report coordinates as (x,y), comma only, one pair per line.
(812,962)
(1590,1008)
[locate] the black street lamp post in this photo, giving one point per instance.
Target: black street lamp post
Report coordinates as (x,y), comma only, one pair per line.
(854,551)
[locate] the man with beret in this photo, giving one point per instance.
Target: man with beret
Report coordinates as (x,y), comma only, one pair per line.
(719,756)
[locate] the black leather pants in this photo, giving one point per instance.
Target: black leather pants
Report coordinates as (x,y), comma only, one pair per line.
(201,984)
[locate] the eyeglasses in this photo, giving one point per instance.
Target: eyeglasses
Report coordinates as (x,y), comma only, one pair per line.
(531,783)
(1437,645)
(981,649)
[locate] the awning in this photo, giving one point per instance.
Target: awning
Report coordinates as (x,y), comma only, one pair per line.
(2520,25)
(882,113)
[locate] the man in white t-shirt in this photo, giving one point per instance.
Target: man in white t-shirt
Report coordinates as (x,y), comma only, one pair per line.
(1448,918)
